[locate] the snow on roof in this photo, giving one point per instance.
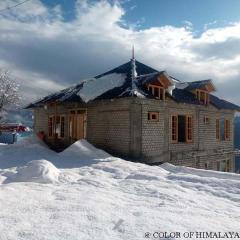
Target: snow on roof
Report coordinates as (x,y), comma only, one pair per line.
(95,87)
(198,84)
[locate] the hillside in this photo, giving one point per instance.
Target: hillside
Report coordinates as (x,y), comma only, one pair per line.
(85,193)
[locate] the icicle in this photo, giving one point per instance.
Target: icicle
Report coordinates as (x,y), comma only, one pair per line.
(133,72)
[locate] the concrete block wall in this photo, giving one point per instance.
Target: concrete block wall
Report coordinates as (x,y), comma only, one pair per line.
(207,132)
(121,126)
(156,136)
(40,120)
(153,132)
(212,161)
(108,125)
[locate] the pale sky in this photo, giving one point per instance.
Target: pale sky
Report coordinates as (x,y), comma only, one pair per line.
(49,45)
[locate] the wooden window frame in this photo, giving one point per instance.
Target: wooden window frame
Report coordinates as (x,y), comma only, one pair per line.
(227,130)
(206,99)
(189,130)
(62,126)
(150,116)
(206,120)
(226,167)
(70,126)
(72,130)
(206,165)
(161,91)
(54,119)
(50,126)
(174,128)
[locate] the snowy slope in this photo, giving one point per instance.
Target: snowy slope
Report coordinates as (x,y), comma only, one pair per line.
(85,193)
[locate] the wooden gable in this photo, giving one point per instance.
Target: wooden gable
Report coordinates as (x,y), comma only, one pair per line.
(161,80)
(209,87)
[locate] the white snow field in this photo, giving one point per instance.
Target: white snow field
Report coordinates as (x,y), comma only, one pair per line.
(85,193)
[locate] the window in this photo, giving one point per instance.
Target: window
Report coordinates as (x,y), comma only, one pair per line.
(202,96)
(157,91)
(50,126)
(161,94)
(71,118)
(77,124)
(56,126)
(223,129)
(62,127)
(189,129)
(223,166)
(206,165)
(206,120)
(182,128)
(174,129)
(228,166)
(153,116)
(227,130)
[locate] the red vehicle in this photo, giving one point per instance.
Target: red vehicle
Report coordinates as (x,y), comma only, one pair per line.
(13,127)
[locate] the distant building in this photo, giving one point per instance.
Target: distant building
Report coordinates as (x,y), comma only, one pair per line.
(144,114)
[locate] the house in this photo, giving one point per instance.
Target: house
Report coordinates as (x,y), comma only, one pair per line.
(141,113)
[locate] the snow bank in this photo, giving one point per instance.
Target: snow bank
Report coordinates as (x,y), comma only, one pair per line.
(200,172)
(95,87)
(39,171)
(83,148)
(98,196)
(31,141)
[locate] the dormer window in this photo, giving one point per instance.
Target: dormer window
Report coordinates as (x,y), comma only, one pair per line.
(203,96)
(201,89)
(157,91)
(157,84)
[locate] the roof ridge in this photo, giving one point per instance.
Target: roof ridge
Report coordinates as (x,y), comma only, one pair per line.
(204,80)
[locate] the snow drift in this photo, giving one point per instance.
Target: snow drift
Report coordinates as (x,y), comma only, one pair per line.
(83,149)
(93,195)
(39,171)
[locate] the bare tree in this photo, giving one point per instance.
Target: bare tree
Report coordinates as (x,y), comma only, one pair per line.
(9,91)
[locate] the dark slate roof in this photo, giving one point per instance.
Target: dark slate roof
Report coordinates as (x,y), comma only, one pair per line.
(71,93)
(146,74)
(68,94)
(197,84)
(223,104)
(125,89)
(184,96)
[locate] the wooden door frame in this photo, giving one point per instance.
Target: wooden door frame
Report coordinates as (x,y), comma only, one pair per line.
(75,123)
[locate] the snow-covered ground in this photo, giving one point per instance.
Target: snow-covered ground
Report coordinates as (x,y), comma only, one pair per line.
(84,193)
